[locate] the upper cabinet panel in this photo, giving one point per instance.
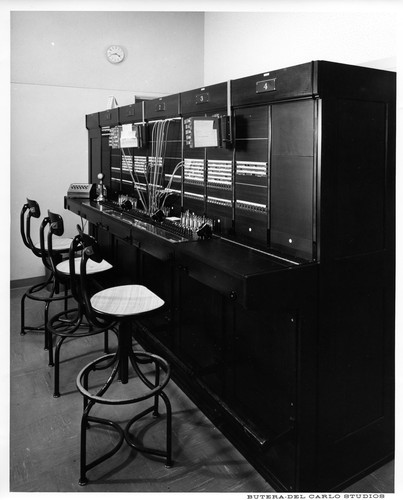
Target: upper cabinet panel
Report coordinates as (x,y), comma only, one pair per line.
(92,121)
(163,107)
(131,113)
(109,117)
(296,81)
(205,99)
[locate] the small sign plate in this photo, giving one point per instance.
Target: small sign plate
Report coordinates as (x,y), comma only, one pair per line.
(202,98)
(160,106)
(266,86)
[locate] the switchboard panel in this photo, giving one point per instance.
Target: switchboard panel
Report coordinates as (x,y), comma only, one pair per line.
(283,237)
(252,174)
(292,187)
(208,155)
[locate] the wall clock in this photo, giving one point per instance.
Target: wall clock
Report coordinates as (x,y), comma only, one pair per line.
(115,54)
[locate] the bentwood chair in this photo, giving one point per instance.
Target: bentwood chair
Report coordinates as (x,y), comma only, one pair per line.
(70,323)
(47,291)
(146,380)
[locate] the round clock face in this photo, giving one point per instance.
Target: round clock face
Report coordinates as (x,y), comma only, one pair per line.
(115,54)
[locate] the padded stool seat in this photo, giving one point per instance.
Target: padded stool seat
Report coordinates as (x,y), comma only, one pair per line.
(125,300)
(92,267)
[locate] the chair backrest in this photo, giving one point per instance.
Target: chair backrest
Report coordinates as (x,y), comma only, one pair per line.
(56,224)
(75,250)
(29,210)
(90,250)
(55,227)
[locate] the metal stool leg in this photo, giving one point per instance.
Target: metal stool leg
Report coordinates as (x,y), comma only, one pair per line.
(106,342)
(48,336)
(22,332)
(56,370)
(66,298)
(156,398)
(168,462)
(83,446)
(86,418)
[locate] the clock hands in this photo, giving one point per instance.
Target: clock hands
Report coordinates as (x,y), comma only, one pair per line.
(115,54)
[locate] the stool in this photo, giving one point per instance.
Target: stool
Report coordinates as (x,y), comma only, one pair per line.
(46,290)
(71,323)
(122,304)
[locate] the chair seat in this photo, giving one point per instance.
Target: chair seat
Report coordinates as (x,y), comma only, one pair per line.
(125,300)
(58,244)
(92,267)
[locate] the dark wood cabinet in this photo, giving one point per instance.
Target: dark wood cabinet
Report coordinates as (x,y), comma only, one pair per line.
(281,327)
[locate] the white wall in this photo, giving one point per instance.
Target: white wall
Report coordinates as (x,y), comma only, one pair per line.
(68,49)
(59,73)
(49,151)
(239,44)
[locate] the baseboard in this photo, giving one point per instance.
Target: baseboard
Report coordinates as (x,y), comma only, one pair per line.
(27,282)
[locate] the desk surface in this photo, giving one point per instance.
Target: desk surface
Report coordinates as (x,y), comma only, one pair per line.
(231,257)
(232,269)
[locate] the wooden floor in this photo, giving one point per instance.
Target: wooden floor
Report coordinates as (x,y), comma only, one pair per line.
(44,433)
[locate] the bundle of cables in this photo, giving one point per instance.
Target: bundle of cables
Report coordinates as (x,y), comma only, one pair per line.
(152,193)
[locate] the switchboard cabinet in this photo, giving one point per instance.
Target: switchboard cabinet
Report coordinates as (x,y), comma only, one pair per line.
(281,325)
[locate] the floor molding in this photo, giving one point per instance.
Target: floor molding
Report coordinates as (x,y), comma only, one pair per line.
(26,282)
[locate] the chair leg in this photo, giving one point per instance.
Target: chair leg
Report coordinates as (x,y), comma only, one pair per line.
(156,398)
(66,300)
(22,332)
(168,461)
(48,336)
(83,447)
(85,399)
(106,342)
(56,368)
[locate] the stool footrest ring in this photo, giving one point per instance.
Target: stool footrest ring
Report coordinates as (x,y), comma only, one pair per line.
(154,389)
